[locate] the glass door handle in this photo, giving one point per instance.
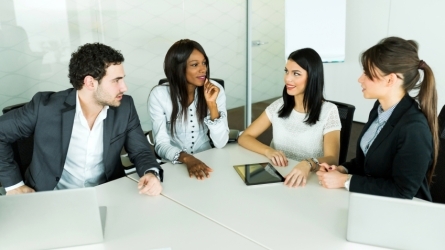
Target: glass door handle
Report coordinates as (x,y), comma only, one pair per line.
(257,43)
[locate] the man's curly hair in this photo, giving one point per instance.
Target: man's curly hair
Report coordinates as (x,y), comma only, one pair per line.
(92,59)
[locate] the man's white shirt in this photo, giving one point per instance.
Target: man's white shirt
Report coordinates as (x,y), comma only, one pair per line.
(84,166)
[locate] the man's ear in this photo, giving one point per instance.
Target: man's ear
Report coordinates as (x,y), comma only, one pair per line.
(89,82)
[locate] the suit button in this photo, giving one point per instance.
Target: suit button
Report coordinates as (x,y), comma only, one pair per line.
(57,179)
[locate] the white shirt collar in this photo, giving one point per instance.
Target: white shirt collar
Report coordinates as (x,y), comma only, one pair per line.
(102,115)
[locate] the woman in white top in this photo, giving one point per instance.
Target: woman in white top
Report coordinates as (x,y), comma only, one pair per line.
(185,109)
(306,128)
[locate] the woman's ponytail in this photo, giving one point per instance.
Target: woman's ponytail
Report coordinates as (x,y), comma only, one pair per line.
(427,98)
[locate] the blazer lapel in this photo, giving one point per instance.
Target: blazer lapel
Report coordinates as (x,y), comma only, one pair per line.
(67,122)
(108,128)
(398,112)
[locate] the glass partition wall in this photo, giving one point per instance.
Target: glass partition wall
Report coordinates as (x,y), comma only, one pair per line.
(38,37)
(267,59)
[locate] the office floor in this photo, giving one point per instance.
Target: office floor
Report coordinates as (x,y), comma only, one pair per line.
(236,121)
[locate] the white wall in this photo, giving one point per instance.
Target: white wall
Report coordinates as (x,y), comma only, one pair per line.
(369,21)
(38,37)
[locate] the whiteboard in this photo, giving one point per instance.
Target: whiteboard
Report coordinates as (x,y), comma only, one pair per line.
(318,24)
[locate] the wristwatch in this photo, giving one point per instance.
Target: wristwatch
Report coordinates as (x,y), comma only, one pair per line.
(154,173)
(316,163)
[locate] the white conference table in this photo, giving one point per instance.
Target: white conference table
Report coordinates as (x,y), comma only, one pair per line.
(137,221)
(272,215)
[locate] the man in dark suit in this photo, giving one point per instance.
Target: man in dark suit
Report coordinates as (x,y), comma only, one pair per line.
(79,132)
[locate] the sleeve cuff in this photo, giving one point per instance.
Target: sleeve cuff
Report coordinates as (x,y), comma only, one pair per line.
(7,189)
(208,122)
(348,182)
(176,157)
(153,169)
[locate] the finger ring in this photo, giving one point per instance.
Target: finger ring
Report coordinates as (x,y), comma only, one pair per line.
(319,182)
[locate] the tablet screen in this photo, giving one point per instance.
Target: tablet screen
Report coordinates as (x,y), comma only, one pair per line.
(258,173)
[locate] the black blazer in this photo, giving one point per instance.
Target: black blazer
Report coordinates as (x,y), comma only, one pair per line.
(50,117)
(397,162)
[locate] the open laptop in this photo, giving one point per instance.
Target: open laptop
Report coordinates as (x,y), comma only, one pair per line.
(395,223)
(50,219)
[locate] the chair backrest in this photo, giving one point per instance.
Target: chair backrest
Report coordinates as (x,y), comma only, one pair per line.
(437,188)
(220,81)
(22,148)
(346,112)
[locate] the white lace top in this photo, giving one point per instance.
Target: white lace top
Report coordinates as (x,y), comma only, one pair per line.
(297,139)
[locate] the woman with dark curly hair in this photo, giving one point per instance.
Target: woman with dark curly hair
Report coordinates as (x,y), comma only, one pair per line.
(188,108)
(398,147)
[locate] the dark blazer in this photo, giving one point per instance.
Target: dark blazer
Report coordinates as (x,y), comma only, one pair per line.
(397,162)
(50,117)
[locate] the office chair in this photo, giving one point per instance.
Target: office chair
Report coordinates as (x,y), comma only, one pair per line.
(346,112)
(437,188)
(22,148)
(129,168)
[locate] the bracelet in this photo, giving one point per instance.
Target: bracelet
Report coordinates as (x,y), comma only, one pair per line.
(317,164)
(309,164)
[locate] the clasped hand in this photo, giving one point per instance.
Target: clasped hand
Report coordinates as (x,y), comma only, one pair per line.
(331,176)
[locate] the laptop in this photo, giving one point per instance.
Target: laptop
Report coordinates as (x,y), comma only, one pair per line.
(395,223)
(51,219)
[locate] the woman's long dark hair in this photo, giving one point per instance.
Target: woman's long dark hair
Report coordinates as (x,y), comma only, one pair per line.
(313,98)
(397,55)
(175,65)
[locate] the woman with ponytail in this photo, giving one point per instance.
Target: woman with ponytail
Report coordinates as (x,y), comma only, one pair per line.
(397,149)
